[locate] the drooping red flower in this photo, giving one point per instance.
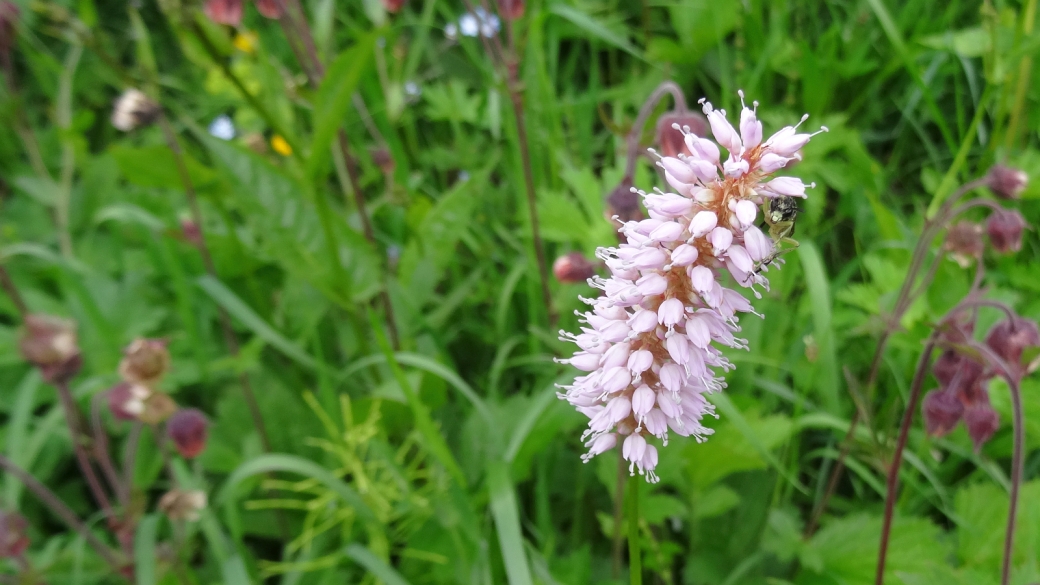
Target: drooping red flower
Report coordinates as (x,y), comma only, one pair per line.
(573,268)
(672,142)
(511,9)
(1007,182)
(393,5)
(942,411)
(982,421)
(1005,230)
(270,8)
(49,343)
(227,12)
(1010,338)
(13,537)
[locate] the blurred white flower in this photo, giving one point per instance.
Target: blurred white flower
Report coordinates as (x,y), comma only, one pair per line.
(412,90)
(222,127)
(451,31)
(479,22)
(132,110)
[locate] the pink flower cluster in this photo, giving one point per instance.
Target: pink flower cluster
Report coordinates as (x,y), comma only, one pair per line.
(649,344)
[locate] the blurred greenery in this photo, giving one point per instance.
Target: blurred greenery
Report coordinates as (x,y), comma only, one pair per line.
(447,458)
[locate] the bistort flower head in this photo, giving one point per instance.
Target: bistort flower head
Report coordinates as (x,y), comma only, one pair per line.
(650,342)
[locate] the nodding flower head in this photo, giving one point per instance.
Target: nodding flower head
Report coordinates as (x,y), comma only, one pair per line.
(1005,230)
(13,537)
(671,130)
(649,345)
(1007,182)
(227,12)
(49,343)
(188,428)
(270,8)
(573,268)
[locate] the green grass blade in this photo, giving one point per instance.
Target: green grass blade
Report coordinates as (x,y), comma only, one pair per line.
(507,525)
(595,28)
(238,309)
(374,565)
(17,438)
(144,550)
(273,462)
(820,296)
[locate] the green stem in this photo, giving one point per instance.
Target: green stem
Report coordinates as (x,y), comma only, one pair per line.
(635,564)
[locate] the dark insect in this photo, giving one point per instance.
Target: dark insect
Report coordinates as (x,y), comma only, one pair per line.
(780,214)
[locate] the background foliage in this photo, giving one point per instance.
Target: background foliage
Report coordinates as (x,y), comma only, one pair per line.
(450,460)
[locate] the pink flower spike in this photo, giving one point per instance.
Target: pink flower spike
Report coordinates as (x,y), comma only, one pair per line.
(684,255)
(758,245)
(702,223)
(702,279)
(678,169)
(789,186)
(643,400)
(720,239)
(633,448)
(640,361)
(671,312)
(746,212)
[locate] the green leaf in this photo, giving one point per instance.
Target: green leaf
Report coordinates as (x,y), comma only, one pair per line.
(828,385)
(332,101)
(272,462)
(16,440)
(596,28)
(969,43)
(507,525)
(144,550)
(375,566)
(238,309)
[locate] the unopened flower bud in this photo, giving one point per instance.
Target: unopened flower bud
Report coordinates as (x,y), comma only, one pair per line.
(190,231)
(623,203)
(1007,182)
(511,9)
(188,431)
(383,159)
(183,504)
(227,12)
(50,344)
(1010,338)
(13,537)
(270,8)
(9,15)
(942,411)
(1005,230)
(132,110)
(393,5)
(982,421)
(672,141)
(573,267)
(964,242)
(145,361)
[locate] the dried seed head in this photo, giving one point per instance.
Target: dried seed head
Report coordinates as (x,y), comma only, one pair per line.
(50,344)
(1010,338)
(1005,230)
(13,537)
(1007,182)
(188,431)
(133,109)
(982,421)
(671,140)
(183,504)
(511,9)
(573,267)
(964,242)
(942,411)
(270,8)
(145,361)
(157,407)
(227,12)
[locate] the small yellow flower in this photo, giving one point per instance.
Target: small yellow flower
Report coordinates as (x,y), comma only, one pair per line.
(246,42)
(280,145)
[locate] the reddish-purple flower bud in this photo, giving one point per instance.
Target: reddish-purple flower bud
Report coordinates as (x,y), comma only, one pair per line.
(50,344)
(1007,182)
(671,141)
(145,361)
(956,372)
(982,421)
(270,8)
(964,242)
(384,160)
(9,15)
(1005,230)
(224,11)
(393,5)
(13,537)
(511,9)
(942,411)
(623,203)
(572,268)
(187,428)
(1010,338)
